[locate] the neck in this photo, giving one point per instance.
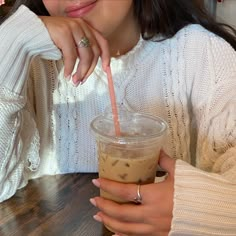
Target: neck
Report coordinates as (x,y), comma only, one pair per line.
(122,47)
(124,39)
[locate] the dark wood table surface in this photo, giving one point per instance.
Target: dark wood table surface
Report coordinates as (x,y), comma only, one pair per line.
(52,205)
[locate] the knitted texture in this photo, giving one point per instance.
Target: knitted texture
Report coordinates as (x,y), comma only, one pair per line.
(189,80)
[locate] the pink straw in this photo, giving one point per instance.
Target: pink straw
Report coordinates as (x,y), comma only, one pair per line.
(113,101)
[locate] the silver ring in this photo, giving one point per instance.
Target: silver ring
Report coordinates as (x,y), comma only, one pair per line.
(138,199)
(84,43)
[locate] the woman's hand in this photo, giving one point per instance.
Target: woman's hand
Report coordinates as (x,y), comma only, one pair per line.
(152,217)
(67,33)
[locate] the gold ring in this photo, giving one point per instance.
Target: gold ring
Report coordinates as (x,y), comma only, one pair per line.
(84,43)
(138,199)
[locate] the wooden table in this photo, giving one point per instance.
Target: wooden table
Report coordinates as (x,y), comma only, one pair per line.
(52,205)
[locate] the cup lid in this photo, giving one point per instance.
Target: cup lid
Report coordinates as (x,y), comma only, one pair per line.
(133,126)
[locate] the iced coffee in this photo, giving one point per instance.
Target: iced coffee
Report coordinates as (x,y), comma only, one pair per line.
(131,157)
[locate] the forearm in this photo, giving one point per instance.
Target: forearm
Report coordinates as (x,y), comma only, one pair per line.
(204,203)
(23,36)
(19,143)
(11,159)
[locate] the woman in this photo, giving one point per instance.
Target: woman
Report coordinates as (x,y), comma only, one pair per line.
(183,69)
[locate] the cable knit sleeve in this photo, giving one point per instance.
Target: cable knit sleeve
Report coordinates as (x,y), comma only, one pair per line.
(23,36)
(205,197)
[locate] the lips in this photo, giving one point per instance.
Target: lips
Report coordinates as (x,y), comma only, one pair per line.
(80,9)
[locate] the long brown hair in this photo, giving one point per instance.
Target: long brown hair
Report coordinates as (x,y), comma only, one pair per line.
(167,17)
(164,17)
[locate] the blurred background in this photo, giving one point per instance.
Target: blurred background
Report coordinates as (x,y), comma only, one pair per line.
(223,10)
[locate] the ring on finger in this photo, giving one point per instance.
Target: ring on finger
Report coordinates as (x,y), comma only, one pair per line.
(84,43)
(138,199)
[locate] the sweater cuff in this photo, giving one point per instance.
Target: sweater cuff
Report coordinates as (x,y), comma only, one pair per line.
(23,36)
(204,203)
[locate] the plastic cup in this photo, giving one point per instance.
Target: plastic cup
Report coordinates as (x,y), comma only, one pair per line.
(133,156)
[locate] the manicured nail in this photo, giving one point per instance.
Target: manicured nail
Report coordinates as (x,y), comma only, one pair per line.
(83,80)
(105,65)
(105,68)
(67,78)
(93,202)
(97,218)
(96,183)
(75,81)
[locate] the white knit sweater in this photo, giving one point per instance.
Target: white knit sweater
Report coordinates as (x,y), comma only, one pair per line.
(189,80)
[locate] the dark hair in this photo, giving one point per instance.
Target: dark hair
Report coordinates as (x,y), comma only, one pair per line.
(36,6)
(165,17)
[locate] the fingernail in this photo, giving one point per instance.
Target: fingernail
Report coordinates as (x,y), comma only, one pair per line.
(105,66)
(96,183)
(83,80)
(68,77)
(97,218)
(77,83)
(93,202)
(75,80)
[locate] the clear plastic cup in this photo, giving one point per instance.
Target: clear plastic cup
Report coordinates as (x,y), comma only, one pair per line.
(133,156)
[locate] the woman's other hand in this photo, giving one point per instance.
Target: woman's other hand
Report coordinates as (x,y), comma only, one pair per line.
(152,217)
(67,34)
